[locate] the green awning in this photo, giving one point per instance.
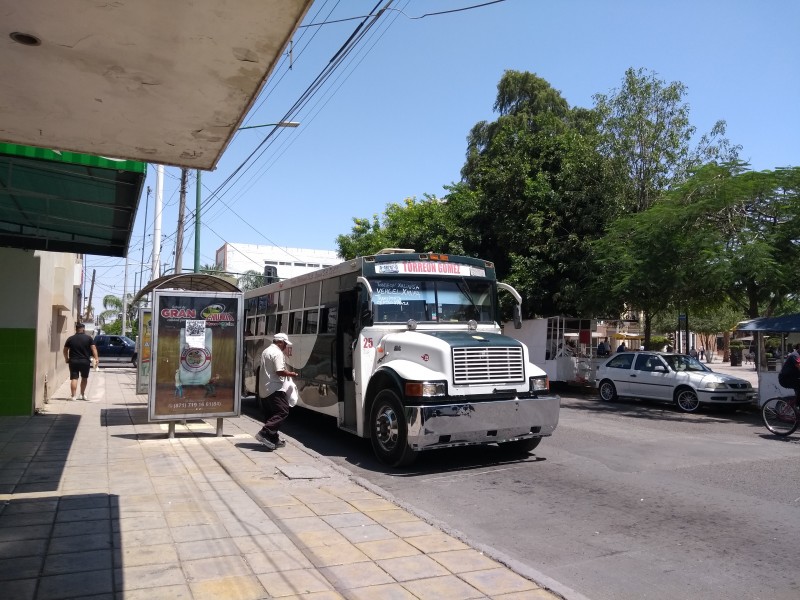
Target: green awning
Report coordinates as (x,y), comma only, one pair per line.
(67,202)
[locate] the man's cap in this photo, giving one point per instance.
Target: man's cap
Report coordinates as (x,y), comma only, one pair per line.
(281,337)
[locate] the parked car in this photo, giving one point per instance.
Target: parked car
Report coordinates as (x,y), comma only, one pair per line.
(670,377)
(115,348)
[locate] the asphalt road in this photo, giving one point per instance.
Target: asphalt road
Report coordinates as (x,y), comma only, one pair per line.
(626,500)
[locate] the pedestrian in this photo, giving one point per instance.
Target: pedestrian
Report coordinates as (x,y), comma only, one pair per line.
(211,386)
(702,353)
(621,347)
(79,349)
(273,375)
(178,384)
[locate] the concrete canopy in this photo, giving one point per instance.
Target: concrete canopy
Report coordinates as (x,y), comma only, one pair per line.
(148,80)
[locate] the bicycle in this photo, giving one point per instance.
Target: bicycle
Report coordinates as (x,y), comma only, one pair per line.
(781,415)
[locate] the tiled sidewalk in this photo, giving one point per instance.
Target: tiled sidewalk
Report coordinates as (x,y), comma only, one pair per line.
(97,503)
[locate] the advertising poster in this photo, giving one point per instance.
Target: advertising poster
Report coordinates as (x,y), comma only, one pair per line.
(197,338)
(144,342)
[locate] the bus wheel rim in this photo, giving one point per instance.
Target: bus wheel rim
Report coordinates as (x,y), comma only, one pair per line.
(387,428)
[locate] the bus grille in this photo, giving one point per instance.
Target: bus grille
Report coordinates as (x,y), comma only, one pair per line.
(487,365)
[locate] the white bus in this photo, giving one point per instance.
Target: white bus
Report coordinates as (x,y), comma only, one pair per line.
(405,348)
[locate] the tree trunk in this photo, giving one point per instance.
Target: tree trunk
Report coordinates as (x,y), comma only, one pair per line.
(726,346)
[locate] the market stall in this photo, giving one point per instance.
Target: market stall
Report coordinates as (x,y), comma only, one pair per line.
(774,338)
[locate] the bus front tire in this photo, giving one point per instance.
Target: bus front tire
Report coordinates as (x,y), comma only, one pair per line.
(389,430)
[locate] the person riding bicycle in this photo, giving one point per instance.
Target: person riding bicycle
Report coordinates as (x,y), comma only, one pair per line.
(789,377)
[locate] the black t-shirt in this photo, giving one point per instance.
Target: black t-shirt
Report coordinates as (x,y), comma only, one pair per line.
(80,347)
(789,376)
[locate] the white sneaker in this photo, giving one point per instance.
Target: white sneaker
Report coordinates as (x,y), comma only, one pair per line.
(72,397)
(83,397)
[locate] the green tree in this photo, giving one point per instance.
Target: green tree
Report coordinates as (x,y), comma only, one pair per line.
(251,280)
(646,132)
(542,193)
(110,320)
(427,225)
(756,219)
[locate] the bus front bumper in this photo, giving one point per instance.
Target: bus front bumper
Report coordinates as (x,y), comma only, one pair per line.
(466,423)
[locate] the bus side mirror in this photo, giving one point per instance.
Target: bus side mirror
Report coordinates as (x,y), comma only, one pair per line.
(517,317)
(366,317)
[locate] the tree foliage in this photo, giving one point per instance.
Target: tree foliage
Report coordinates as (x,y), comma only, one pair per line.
(251,280)
(646,131)
(603,211)
(427,225)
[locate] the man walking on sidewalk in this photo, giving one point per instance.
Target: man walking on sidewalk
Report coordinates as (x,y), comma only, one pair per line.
(78,349)
(273,375)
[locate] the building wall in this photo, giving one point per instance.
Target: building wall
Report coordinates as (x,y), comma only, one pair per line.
(36,311)
(290,262)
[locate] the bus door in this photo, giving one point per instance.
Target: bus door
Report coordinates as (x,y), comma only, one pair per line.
(346,337)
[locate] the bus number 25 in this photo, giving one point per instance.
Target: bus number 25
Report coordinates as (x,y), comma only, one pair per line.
(367,343)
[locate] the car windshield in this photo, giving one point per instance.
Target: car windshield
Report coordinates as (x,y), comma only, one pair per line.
(452,300)
(682,362)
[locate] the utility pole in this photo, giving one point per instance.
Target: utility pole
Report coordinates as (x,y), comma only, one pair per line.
(144,237)
(89,311)
(197,226)
(125,296)
(157,222)
(181,211)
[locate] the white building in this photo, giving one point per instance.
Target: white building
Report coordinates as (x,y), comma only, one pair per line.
(286,262)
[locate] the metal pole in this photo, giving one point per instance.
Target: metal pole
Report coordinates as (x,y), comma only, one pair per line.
(125,296)
(157,222)
(144,235)
(197,226)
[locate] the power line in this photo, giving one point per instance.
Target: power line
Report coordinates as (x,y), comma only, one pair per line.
(441,12)
(334,62)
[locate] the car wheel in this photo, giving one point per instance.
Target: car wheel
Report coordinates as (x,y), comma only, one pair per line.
(135,362)
(687,400)
(608,391)
(389,430)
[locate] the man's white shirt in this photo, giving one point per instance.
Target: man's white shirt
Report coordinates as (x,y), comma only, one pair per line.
(272,361)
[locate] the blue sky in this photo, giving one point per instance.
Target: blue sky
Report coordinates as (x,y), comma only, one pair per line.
(392,121)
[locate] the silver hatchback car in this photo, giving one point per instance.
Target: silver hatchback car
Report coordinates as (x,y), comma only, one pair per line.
(670,377)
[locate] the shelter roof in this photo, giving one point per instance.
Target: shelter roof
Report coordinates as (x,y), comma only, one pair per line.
(201,282)
(785,323)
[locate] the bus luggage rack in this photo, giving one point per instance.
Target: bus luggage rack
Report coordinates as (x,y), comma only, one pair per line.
(487,365)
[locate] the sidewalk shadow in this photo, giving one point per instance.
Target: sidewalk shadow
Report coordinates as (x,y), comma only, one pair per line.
(61,546)
(35,451)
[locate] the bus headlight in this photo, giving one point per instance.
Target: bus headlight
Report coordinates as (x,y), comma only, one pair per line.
(539,384)
(426,389)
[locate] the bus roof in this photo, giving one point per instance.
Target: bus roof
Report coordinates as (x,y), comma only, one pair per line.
(359,263)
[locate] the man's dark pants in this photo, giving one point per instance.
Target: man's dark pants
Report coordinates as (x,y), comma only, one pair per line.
(276,407)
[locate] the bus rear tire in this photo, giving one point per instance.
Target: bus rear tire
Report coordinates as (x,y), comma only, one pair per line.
(388,430)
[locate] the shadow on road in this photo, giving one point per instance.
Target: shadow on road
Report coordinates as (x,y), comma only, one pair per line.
(320,434)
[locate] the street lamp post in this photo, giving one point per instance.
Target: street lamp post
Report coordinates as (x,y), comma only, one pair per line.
(197,195)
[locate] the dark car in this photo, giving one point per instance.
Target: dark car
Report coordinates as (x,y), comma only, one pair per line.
(115,348)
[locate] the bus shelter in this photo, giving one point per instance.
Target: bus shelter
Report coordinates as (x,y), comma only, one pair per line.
(773,339)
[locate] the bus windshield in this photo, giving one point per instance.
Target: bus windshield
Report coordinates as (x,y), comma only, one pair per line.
(452,300)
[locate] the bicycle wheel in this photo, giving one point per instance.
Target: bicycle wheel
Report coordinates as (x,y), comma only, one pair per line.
(780,416)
